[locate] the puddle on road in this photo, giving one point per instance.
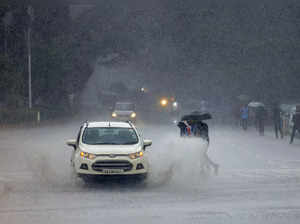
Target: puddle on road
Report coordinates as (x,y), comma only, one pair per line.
(175,165)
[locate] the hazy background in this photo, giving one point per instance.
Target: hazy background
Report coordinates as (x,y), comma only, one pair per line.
(87,54)
(213,50)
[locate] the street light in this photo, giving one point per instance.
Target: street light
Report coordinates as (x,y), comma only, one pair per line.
(7,21)
(164,102)
(30,14)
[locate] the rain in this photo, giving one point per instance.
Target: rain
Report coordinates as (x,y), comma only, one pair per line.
(213,89)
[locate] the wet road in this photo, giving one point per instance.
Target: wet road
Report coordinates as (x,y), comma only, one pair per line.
(259,181)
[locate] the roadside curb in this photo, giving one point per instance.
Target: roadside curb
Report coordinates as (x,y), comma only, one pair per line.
(35,125)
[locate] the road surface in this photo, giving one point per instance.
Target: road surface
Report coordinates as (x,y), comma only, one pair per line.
(258,182)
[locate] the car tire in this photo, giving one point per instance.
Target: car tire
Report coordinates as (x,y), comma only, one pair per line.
(85,178)
(142,178)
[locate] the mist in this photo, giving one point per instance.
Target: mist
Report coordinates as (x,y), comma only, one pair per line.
(67,62)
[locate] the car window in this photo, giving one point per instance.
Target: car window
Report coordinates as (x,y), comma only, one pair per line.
(110,135)
(124,106)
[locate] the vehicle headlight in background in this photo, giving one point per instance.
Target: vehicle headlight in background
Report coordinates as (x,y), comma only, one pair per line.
(114,114)
(163,102)
(133,115)
(87,155)
(136,155)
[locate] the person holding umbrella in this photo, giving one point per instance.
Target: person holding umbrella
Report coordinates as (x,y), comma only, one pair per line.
(277,120)
(260,116)
(192,125)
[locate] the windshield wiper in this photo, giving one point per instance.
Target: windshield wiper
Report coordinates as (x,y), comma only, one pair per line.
(105,143)
(129,143)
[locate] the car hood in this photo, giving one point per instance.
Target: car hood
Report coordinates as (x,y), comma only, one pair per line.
(124,112)
(110,149)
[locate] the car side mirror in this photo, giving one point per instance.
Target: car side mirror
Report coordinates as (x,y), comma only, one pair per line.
(147,143)
(72,142)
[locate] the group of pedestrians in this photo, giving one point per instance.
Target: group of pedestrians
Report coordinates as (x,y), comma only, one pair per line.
(260,114)
(260,117)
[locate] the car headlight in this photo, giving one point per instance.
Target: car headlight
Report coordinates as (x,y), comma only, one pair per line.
(133,115)
(87,155)
(114,114)
(136,155)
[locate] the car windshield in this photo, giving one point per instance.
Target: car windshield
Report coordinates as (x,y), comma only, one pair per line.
(124,106)
(109,136)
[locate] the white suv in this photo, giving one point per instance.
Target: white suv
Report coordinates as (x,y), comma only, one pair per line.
(109,148)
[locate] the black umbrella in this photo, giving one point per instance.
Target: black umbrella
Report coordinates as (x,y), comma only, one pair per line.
(196,116)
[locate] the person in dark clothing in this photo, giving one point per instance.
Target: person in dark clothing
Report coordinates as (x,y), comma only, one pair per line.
(260,116)
(277,120)
(193,128)
(296,121)
(198,128)
(185,128)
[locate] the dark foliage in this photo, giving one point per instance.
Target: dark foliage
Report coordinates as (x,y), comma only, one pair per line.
(231,47)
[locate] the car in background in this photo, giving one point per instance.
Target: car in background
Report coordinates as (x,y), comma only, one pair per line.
(124,111)
(109,149)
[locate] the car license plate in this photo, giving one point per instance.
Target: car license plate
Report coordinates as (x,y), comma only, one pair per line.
(112,171)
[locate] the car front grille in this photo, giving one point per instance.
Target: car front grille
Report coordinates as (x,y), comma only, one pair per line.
(112,164)
(123,115)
